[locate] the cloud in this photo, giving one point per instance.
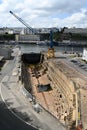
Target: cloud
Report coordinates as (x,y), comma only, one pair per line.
(45,13)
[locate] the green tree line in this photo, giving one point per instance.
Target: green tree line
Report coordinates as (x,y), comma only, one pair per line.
(8,37)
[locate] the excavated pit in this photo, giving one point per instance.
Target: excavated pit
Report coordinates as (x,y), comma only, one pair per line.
(62,100)
(27,60)
(39,77)
(31,58)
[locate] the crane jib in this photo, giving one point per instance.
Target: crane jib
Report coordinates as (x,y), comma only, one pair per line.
(23,22)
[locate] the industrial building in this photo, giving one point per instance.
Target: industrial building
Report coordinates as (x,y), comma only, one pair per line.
(30,37)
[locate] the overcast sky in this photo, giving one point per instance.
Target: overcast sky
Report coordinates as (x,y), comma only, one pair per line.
(44,13)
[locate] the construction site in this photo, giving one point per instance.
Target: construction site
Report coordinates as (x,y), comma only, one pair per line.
(58,83)
(59,86)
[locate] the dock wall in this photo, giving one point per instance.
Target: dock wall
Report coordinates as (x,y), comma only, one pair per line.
(65,95)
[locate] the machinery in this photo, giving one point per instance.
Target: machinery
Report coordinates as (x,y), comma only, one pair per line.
(23,22)
(50,53)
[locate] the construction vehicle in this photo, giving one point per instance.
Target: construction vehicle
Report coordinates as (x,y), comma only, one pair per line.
(50,53)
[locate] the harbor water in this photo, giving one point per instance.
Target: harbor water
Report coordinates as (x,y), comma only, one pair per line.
(27,48)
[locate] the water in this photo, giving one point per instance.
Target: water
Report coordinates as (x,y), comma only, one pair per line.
(27,48)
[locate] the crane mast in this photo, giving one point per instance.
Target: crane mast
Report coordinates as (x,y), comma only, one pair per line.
(50,53)
(23,22)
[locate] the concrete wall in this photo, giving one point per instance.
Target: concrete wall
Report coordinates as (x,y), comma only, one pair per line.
(65,93)
(29,37)
(6,52)
(31,58)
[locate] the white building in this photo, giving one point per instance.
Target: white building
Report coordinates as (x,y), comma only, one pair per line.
(30,37)
(8,30)
(84,56)
(18,30)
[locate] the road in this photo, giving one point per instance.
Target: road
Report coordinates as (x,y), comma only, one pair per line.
(14,99)
(10,122)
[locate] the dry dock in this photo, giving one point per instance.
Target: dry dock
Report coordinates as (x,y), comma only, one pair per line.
(61,88)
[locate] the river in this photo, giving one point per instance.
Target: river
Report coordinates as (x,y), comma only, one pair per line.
(26,48)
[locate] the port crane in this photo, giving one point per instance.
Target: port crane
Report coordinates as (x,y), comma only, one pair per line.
(50,53)
(23,22)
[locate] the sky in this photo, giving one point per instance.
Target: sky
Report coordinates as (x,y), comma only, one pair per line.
(44,13)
